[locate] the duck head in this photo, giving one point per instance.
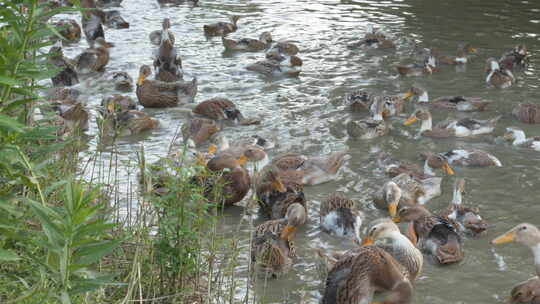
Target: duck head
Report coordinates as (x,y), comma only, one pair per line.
(393,196)
(144,72)
(410,214)
(296,216)
(525,233)
(381,229)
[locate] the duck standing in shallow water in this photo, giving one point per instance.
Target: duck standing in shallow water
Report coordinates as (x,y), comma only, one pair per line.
(160,94)
(221,28)
(528,235)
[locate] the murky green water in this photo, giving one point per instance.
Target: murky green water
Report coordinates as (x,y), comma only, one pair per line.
(308,115)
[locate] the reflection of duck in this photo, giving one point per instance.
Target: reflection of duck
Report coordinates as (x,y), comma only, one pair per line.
(433,234)
(468,219)
(339,217)
(221,28)
(459,103)
(518,138)
(450,128)
(274,247)
(528,235)
(160,94)
(248,44)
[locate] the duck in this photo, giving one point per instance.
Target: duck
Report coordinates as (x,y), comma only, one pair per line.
(427,68)
(528,235)
(199,130)
(517,57)
(221,28)
(282,50)
(518,138)
(393,167)
(118,103)
(94,59)
(458,103)
(69,29)
(450,128)
(464,50)
(160,94)
(167,62)
(496,76)
(92,21)
(73,113)
(67,76)
(113,19)
(312,170)
(108,3)
(274,68)
(277,189)
(155,36)
(375,39)
(433,234)
(127,122)
(398,245)
(339,217)
(122,81)
(256,157)
(361,272)
(372,127)
(467,157)
(62,93)
(273,242)
(235,179)
(359,100)
(248,44)
(528,113)
(468,219)
(220,109)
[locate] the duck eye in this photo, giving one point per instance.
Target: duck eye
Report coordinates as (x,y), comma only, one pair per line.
(524,228)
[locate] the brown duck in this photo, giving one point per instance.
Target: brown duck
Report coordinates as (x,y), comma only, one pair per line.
(219,109)
(339,216)
(69,29)
(496,76)
(234,178)
(273,242)
(155,36)
(198,130)
(427,68)
(67,76)
(122,82)
(361,272)
(160,94)
(527,113)
(92,21)
(458,103)
(464,50)
(93,59)
(248,44)
(221,28)
(167,62)
(518,57)
(433,234)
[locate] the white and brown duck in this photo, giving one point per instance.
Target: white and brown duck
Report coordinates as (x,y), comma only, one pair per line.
(466,157)
(340,217)
(248,44)
(498,76)
(458,103)
(518,138)
(222,28)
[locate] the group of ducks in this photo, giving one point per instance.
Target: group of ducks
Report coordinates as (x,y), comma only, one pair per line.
(373,266)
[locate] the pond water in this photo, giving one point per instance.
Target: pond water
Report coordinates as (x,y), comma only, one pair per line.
(307,115)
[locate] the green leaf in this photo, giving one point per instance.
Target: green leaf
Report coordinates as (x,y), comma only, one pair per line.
(9,81)
(6,255)
(10,124)
(94,252)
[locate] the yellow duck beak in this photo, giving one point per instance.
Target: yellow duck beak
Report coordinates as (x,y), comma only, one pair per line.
(505,238)
(410,120)
(212,149)
(287,232)
(110,107)
(396,219)
(140,80)
(242,160)
(448,169)
(367,241)
(392,209)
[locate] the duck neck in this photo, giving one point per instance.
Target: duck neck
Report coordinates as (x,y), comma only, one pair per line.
(408,255)
(536,253)
(427,169)
(457,198)
(427,125)
(519,138)
(424,97)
